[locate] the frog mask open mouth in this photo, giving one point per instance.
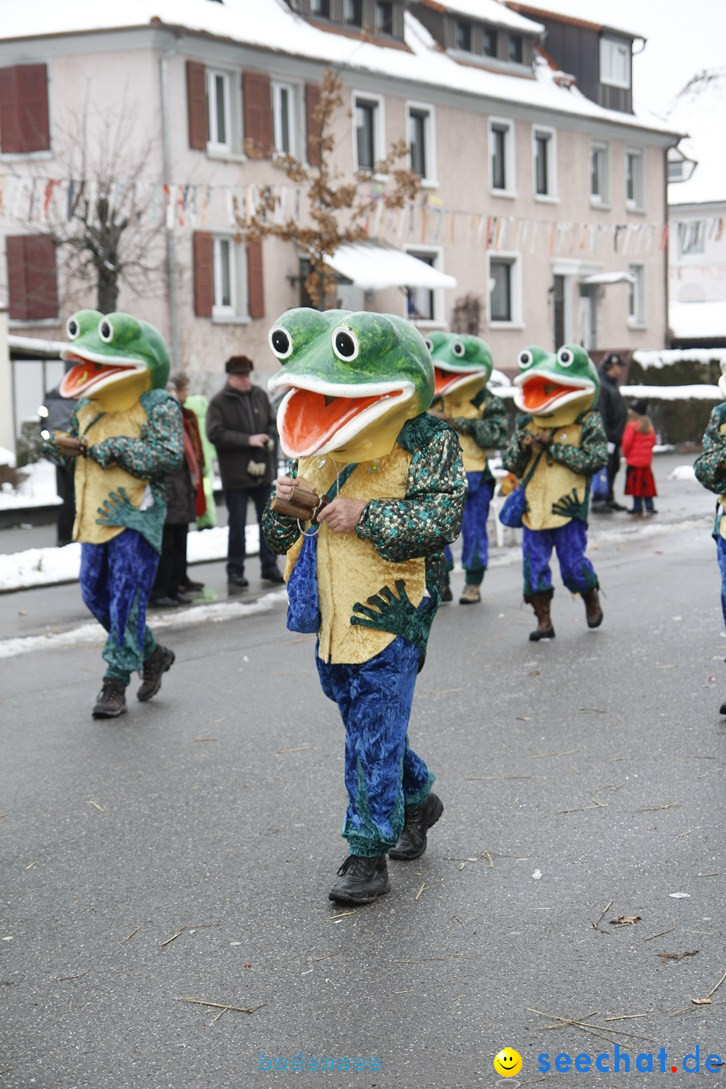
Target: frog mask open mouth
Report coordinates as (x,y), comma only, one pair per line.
(462,363)
(111,350)
(549,382)
(346,374)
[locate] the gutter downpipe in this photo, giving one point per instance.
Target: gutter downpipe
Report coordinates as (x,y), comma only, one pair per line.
(169,228)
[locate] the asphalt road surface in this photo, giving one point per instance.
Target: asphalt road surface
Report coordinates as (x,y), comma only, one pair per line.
(165,876)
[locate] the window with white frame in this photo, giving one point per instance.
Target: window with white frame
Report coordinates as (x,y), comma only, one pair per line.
(615,62)
(634,198)
(636,295)
(501,156)
(515,48)
(384,16)
(220,110)
(286,116)
(691,236)
(425,304)
(599,174)
(368,114)
(463,35)
(505,295)
(422,141)
(229,271)
(490,42)
(544,159)
(353,12)
(320,7)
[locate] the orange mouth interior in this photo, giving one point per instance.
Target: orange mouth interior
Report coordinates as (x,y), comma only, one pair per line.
(311,419)
(539,391)
(84,374)
(444,379)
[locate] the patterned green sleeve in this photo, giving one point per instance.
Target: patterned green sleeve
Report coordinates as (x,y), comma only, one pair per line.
(516,456)
(159,449)
(592,452)
(280,530)
(50,449)
(490,430)
(710,466)
(429,516)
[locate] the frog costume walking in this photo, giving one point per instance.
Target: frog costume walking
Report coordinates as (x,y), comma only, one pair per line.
(354,421)
(125,435)
(462,368)
(710,470)
(555,448)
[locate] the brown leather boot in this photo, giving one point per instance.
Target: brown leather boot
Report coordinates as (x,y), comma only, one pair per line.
(593,610)
(541,605)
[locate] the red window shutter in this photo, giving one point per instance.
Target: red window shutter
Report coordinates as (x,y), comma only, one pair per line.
(255,281)
(24,124)
(258,111)
(202,256)
(312,100)
(32,282)
(197,110)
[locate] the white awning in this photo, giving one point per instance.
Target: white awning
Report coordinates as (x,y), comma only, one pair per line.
(606,278)
(374,267)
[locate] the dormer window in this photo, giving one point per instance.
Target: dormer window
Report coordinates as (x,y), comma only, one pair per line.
(463,36)
(321,8)
(384,17)
(353,12)
(490,43)
(515,49)
(615,62)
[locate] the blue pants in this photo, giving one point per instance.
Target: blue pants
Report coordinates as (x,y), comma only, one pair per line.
(721,551)
(116,580)
(474,536)
(569,542)
(236,501)
(382,774)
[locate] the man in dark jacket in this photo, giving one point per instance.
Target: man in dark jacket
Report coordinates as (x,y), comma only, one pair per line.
(241,424)
(614,411)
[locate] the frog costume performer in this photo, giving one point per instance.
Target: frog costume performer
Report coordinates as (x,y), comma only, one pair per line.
(125,435)
(555,448)
(356,425)
(462,367)
(710,470)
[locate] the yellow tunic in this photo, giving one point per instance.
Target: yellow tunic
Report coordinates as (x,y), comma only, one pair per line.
(351,570)
(551,481)
(475,458)
(94,484)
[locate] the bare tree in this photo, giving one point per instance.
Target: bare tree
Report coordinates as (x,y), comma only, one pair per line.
(337,208)
(107,233)
(467,314)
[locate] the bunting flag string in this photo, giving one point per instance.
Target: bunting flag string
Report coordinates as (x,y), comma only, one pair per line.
(45,202)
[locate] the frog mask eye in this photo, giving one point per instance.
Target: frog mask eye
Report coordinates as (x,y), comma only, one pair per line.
(430,344)
(73,329)
(458,349)
(525,359)
(345,345)
(105,331)
(280,342)
(565,357)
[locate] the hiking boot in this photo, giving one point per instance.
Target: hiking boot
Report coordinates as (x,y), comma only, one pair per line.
(362,880)
(593,611)
(111,700)
(273,575)
(236,584)
(159,661)
(189,586)
(541,605)
(470,595)
(446,595)
(419,818)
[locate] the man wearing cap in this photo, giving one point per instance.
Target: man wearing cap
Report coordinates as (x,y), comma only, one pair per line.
(241,425)
(614,411)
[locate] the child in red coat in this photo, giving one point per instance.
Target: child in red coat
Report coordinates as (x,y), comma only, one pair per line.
(637,446)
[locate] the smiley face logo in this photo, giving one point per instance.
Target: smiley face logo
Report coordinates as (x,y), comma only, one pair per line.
(507,1062)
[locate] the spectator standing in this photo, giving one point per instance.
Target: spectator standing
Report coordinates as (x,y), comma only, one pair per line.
(638,443)
(56,416)
(241,425)
(614,411)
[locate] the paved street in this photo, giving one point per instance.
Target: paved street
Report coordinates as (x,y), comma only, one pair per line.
(186,851)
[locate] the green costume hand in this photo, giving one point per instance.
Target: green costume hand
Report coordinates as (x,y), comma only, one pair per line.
(118,510)
(386,612)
